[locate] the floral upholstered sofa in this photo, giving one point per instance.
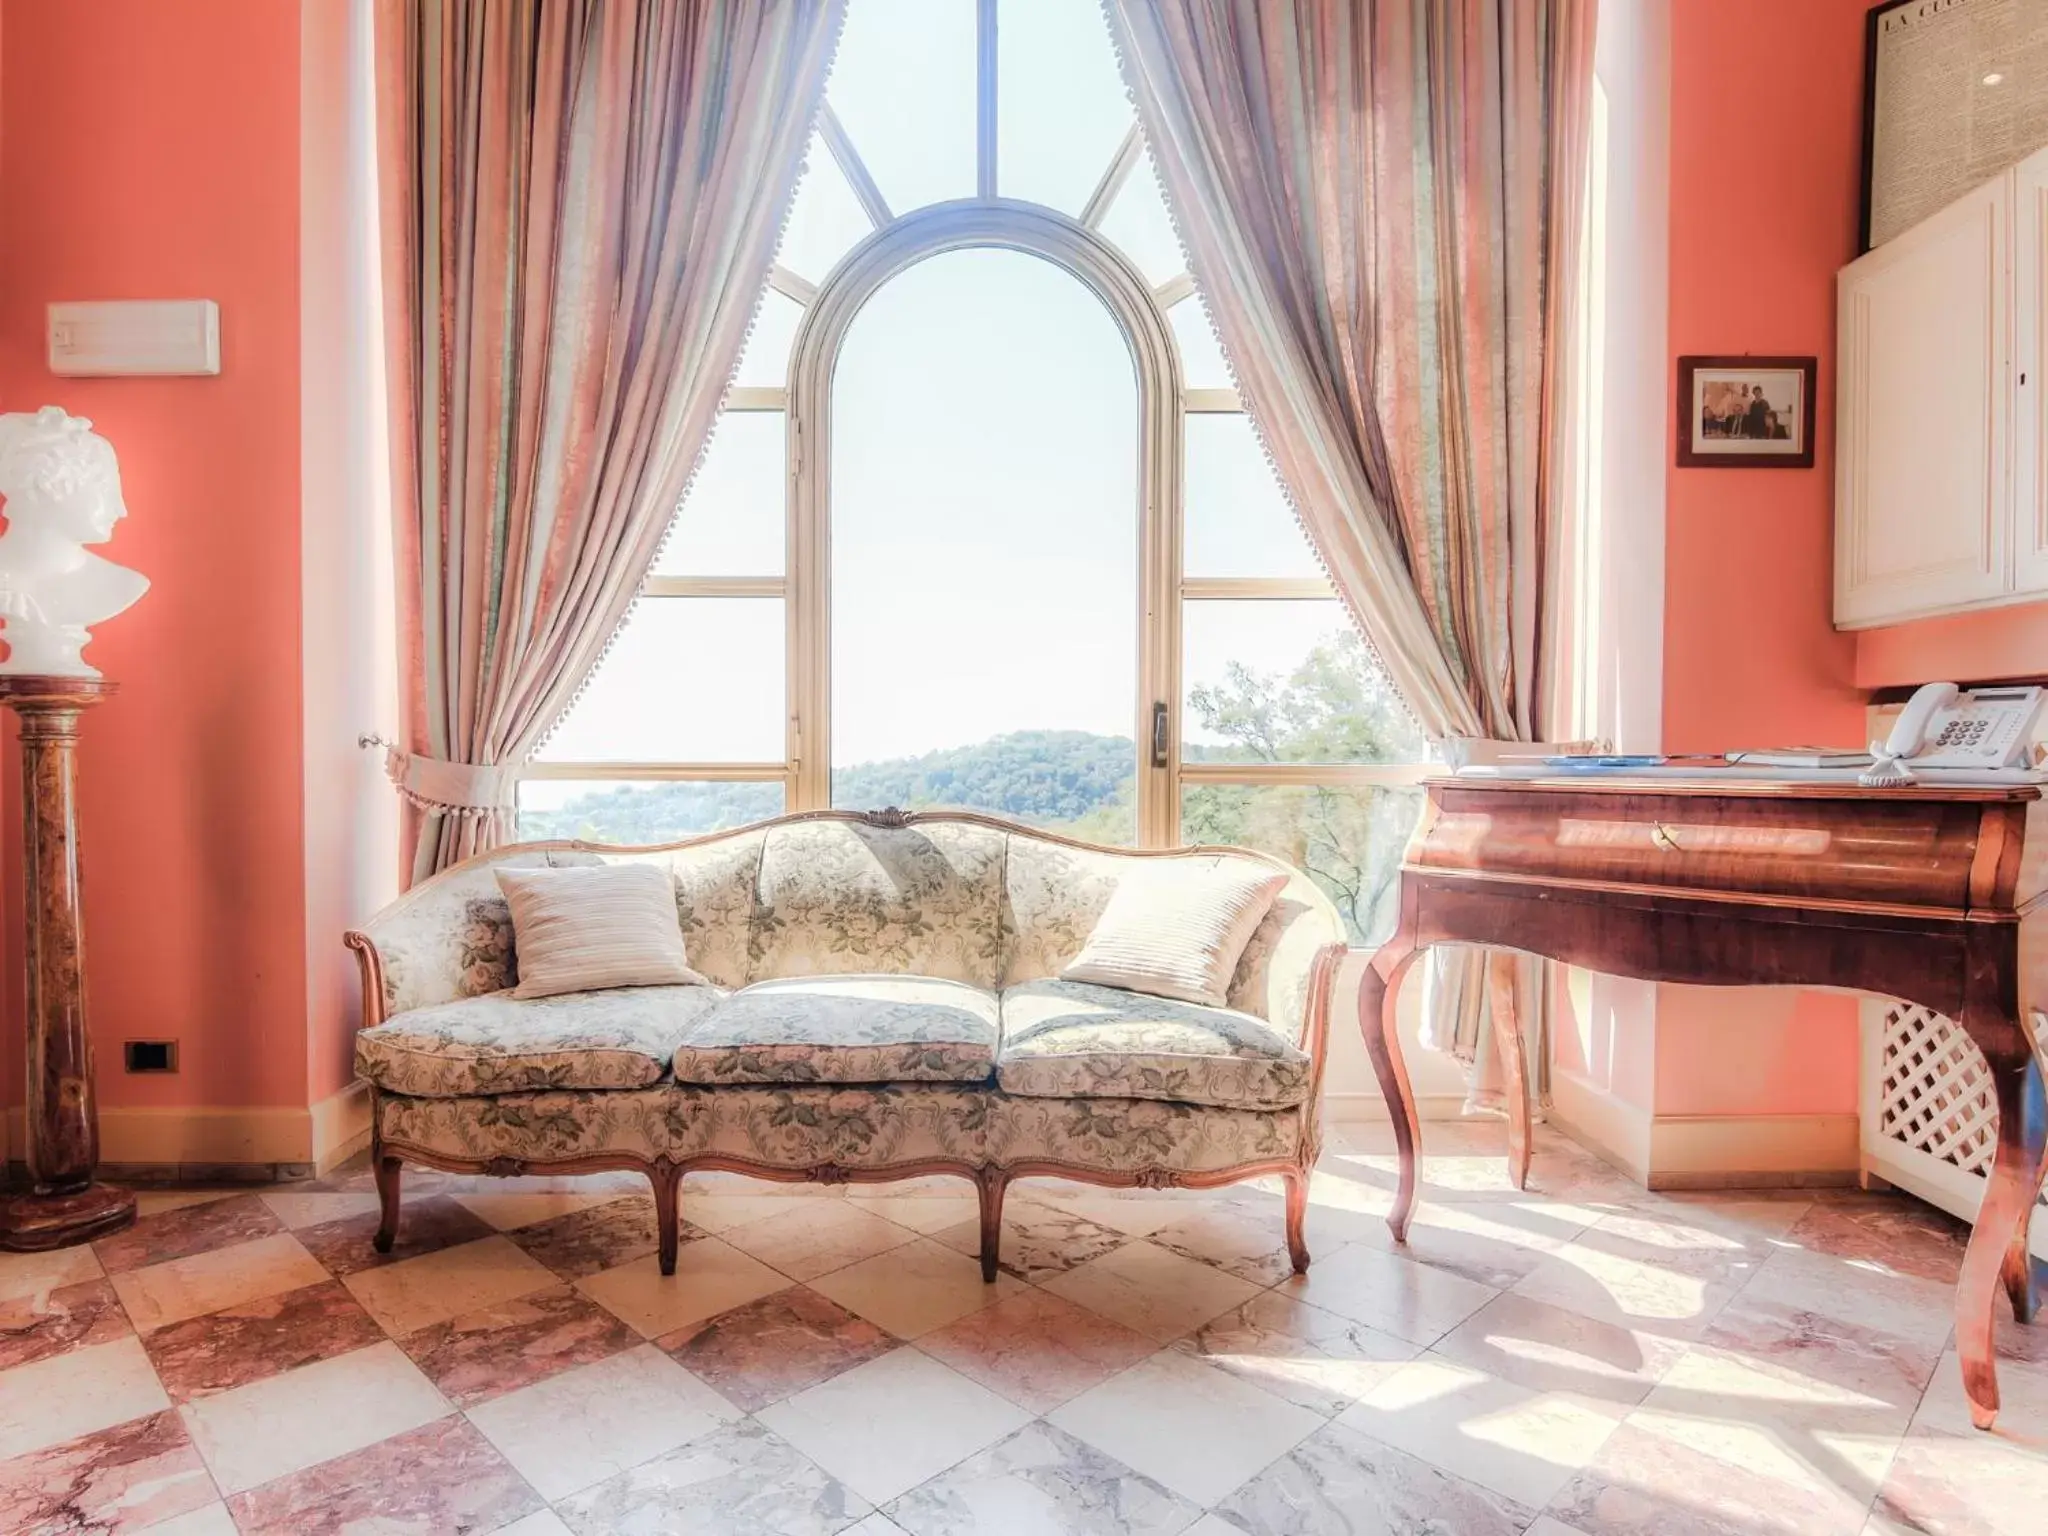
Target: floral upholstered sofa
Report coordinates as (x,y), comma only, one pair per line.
(884,1003)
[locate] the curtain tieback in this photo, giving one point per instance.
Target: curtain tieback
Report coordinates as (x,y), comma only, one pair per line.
(449,789)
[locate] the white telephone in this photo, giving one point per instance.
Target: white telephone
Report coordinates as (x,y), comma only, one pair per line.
(1988,730)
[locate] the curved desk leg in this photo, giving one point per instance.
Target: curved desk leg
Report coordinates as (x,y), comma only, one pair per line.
(1501,969)
(2023,1273)
(2008,1201)
(1378,995)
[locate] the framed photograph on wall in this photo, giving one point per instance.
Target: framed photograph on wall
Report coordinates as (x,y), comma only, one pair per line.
(1954,91)
(1745,412)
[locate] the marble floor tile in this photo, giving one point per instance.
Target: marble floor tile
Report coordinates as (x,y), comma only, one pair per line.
(425,1226)
(1682,1240)
(584,1425)
(188,1229)
(920,1213)
(45,1323)
(1906,1237)
(254,1339)
(1547,1526)
(1878,1365)
(129,1477)
(1337,1483)
(1646,1295)
(2022,1403)
(1036,1349)
(1152,1291)
(1041,1481)
(154,1202)
(1115,1209)
(598,1237)
(1905,1306)
(1393,1294)
(1523,1443)
(884,1427)
(1247,1241)
(1311,1357)
(479,1355)
(722,1212)
(1039,1241)
(34,1274)
(739,1480)
(442,1477)
(207,1520)
(1496,1244)
(877,1524)
(1195,1429)
(814,1238)
(1646,1482)
(1958,1485)
(446,1283)
(72,1394)
(1551,1349)
(219,1277)
(545,1523)
(284,1423)
(508,1210)
(769,1349)
(914,1289)
(312,1208)
(711,1277)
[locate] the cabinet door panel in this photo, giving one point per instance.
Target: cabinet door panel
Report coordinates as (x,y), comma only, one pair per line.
(2030,355)
(1922,495)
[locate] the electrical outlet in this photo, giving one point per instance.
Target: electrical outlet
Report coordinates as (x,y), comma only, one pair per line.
(150,1055)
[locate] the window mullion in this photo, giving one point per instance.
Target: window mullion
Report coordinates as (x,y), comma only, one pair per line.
(985,98)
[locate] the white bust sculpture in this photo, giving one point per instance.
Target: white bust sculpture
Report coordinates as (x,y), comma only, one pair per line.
(61,490)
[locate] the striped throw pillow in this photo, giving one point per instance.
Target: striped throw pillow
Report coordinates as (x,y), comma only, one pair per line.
(595,926)
(1176,928)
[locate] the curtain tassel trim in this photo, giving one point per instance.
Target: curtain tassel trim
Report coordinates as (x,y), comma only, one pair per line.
(445,788)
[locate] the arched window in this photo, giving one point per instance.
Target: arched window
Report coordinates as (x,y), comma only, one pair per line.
(984,523)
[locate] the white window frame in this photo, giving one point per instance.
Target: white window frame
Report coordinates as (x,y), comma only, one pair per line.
(894,245)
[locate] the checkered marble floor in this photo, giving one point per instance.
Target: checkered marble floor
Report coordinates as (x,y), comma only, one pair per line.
(1583,1357)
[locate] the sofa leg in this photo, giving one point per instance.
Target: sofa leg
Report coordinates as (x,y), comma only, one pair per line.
(388,1170)
(993,1186)
(1297,1219)
(667,1183)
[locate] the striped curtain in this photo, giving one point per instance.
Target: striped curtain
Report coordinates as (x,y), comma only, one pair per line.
(1382,201)
(579,203)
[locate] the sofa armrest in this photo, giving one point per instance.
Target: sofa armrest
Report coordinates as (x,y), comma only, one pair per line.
(447,938)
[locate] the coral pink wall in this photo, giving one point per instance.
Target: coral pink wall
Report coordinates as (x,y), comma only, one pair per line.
(1766,103)
(1963,647)
(151,150)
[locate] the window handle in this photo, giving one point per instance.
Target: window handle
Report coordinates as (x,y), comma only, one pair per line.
(1162,742)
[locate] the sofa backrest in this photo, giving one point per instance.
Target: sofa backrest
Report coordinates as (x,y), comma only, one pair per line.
(962,897)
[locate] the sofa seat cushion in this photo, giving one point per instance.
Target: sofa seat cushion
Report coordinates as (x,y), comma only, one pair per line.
(1075,1040)
(499,1043)
(844,1029)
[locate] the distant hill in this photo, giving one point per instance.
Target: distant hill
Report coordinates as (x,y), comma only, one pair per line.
(1043,777)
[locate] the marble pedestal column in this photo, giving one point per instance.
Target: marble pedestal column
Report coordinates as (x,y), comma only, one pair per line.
(64,1205)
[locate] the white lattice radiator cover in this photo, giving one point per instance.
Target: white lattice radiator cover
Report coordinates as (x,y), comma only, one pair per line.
(1929,1122)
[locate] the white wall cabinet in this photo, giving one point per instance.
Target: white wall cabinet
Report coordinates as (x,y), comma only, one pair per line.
(1941,495)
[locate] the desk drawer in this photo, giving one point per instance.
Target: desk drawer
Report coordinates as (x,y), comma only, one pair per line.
(1915,853)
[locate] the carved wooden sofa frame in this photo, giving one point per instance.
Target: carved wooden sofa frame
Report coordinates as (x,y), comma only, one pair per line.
(991,1181)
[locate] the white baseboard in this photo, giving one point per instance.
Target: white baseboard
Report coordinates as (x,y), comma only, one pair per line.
(1753,1151)
(200,1137)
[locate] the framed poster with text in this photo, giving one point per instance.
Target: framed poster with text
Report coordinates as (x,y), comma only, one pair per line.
(1954,91)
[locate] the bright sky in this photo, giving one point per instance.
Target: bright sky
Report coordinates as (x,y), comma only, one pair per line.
(984,491)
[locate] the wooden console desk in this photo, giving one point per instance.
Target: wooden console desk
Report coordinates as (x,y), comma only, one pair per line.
(1933,895)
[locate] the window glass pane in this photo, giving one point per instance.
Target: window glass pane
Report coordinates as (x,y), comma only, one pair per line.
(1349,840)
(601,812)
(1138,224)
(904,89)
(1238,520)
(1201,357)
(688,679)
(1061,110)
(985,544)
(765,362)
(732,523)
(825,221)
(1286,682)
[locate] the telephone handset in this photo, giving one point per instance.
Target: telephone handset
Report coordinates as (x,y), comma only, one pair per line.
(1942,727)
